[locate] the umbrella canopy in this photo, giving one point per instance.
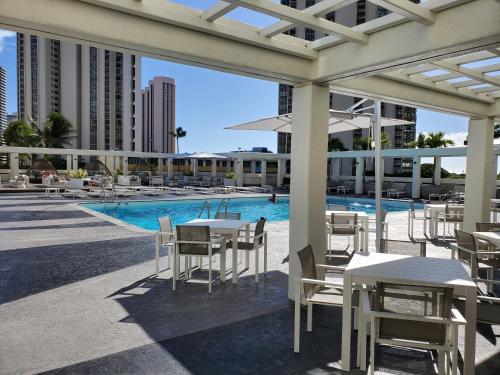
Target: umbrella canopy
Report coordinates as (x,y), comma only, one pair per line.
(340,121)
(205,155)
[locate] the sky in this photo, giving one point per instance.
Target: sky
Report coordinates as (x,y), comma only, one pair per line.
(207,100)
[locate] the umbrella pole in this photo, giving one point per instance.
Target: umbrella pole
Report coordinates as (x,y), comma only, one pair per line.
(378,173)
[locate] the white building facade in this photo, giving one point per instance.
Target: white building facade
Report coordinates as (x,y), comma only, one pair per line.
(158,116)
(3,101)
(95,89)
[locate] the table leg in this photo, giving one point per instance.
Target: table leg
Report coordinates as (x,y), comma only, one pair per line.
(366,224)
(346,324)
(235,257)
(247,253)
(470,331)
(223,261)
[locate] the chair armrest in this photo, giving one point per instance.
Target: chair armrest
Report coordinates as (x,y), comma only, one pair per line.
(488,253)
(196,242)
(365,302)
(332,268)
(319,282)
(398,316)
(461,248)
(165,234)
(493,282)
(457,318)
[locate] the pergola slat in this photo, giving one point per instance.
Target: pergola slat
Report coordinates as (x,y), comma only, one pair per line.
(468,72)
(217,11)
(408,10)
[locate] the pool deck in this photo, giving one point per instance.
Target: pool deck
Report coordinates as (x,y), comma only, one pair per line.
(77,296)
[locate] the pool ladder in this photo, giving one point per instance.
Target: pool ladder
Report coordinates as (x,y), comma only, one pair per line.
(206,206)
(224,203)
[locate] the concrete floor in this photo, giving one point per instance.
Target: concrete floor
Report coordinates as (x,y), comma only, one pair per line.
(77,296)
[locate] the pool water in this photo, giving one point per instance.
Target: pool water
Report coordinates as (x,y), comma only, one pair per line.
(145,214)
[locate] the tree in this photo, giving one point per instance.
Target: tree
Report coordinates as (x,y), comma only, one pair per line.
(57,131)
(179,133)
(19,133)
(335,144)
(419,143)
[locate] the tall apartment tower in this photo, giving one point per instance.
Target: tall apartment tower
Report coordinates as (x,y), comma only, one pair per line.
(158,116)
(3,102)
(95,89)
(350,15)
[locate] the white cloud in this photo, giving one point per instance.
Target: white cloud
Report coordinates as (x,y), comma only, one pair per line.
(4,34)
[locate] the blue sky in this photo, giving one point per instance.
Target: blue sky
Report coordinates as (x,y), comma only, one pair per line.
(208,101)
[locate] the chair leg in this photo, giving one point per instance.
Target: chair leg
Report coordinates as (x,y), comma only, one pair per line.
(209,273)
(309,317)
(174,278)
(169,253)
(372,347)
(441,361)
(157,250)
(257,265)
(247,260)
(187,266)
(296,330)
(265,255)
(454,362)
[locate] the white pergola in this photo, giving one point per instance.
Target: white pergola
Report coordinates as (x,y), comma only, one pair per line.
(419,55)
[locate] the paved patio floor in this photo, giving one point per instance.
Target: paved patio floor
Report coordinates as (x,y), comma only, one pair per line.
(77,296)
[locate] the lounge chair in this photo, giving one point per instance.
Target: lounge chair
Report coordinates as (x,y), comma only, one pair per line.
(75,193)
(397,189)
(346,187)
(165,237)
(331,186)
(20,181)
(386,186)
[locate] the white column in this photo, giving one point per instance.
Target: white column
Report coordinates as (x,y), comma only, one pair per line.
(263,172)
(335,169)
(228,166)
(360,166)
(415,179)
(14,164)
(437,170)
(252,167)
(494,178)
(379,172)
(214,168)
(170,167)
(75,162)
(69,162)
(160,166)
(280,172)
(238,169)
(479,173)
(125,165)
(194,167)
(308,175)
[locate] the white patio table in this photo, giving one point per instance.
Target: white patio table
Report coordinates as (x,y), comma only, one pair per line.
(369,268)
(433,211)
(226,227)
(363,218)
(491,237)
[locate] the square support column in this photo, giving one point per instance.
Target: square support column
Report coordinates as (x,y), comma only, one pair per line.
(69,162)
(437,170)
(170,167)
(194,167)
(263,172)
(160,166)
(360,167)
(75,162)
(415,180)
(308,175)
(214,168)
(335,169)
(238,169)
(479,173)
(125,165)
(14,164)
(280,172)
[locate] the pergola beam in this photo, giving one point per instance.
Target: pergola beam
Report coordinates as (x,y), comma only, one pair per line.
(217,11)
(390,50)
(407,9)
(318,9)
(298,17)
(467,72)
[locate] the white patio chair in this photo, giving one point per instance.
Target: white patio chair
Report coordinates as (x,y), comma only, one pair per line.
(453,214)
(196,241)
(413,217)
(165,237)
(399,317)
(345,225)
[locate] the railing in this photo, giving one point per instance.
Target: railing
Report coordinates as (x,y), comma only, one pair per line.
(206,205)
(223,202)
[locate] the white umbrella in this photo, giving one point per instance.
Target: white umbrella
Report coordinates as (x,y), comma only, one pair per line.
(205,155)
(340,121)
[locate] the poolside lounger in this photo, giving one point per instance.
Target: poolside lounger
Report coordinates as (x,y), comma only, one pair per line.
(154,191)
(347,187)
(243,189)
(177,191)
(397,189)
(222,190)
(386,186)
(75,193)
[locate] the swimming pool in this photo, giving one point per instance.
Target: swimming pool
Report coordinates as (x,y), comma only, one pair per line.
(144,214)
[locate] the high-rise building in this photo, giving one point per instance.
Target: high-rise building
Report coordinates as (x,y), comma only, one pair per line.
(350,15)
(3,102)
(158,116)
(95,89)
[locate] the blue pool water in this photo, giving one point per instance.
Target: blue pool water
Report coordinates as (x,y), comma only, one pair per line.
(145,214)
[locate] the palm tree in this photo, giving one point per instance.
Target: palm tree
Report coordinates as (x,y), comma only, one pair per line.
(57,131)
(335,144)
(179,133)
(365,143)
(19,133)
(419,143)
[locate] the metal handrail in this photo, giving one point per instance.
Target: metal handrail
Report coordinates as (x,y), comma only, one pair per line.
(206,205)
(223,202)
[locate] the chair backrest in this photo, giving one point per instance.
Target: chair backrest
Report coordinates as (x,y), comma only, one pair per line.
(228,215)
(467,241)
(454,212)
(413,300)
(259,229)
(308,265)
(387,185)
(384,215)
(401,186)
(344,219)
(413,248)
(488,227)
(193,233)
(339,207)
(165,226)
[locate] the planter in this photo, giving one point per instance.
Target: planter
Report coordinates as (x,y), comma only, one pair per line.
(229,182)
(75,183)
